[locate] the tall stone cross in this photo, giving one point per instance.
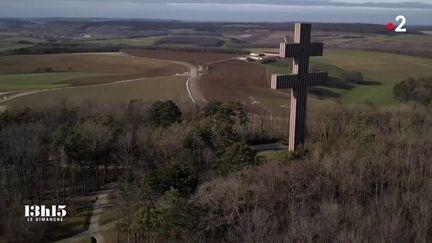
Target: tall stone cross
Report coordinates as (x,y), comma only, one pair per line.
(299,80)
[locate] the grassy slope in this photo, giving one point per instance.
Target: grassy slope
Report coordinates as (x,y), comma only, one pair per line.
(411,38)
(385,70)
(148,89)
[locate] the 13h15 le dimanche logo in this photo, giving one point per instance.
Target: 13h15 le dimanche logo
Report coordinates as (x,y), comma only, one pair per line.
(42,213)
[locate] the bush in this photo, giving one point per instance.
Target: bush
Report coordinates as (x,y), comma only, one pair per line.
(417,90)
(217,124)
(164,113)
(235,158)
(44,70)
(353,76)
(180,174)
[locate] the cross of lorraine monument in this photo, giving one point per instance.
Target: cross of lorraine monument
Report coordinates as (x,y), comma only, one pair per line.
(299,80)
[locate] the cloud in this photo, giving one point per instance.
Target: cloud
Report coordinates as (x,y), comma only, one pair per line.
(269,4)
(354,3)
(222,10)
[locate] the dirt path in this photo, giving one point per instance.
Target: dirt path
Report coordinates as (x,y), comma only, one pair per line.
(94,228)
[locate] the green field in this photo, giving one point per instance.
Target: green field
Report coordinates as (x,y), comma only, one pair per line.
(410,38)
(41,80)
(38,81)
(9,41)
(153,41)
(144,41)
(9,46)
(381,71)
(151,89)
(38,72)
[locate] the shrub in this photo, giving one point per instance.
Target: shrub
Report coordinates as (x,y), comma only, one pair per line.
(235,158)
(417,90)
(164,113)
(353,76)
(180,174)
(44,70)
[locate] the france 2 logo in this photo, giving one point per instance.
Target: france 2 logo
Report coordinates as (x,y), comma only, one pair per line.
(401,27)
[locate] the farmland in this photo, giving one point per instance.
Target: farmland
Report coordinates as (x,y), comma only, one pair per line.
(170,40)
(51,71)
(8,46)
(77,78)
(11,41)
(197,58)
(235,80)
(381,72)
(143,56)
(150,90)
(225,79)
(201,41)
(137,42)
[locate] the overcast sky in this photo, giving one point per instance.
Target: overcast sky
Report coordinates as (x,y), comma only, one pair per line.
(226,10)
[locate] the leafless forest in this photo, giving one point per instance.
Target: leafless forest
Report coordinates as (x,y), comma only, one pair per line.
(364,175)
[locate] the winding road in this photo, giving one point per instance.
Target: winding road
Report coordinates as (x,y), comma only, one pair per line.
(192,85)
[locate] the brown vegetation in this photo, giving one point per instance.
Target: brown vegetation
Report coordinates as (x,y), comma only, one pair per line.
(364,177)
(236,80)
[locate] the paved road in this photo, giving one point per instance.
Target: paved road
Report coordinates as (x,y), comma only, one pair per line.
(192,86)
